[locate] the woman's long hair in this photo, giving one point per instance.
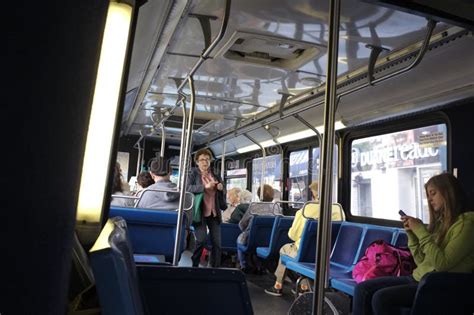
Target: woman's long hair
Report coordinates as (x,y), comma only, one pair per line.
(117,183)
(454,204)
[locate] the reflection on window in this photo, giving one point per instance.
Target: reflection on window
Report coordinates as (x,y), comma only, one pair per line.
(298,169)
(389,171)
(272,175)
(315,169)
(236,178)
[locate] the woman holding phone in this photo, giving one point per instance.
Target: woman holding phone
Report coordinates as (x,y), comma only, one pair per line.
(445,244)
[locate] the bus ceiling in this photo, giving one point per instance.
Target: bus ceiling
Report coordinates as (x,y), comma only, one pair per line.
(255,69)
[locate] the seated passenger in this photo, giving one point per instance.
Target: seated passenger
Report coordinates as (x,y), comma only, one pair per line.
(233,199)
(295,232)
(445,244)
(119,189)
(160,171)
(246,223)
(245,197)
(144,180)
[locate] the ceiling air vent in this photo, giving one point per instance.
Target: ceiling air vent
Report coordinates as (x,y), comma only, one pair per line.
(270,50)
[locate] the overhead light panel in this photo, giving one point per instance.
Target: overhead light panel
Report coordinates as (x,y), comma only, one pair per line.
(290,137)
(105,102)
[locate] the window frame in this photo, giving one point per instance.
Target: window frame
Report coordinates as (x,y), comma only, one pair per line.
(419,120)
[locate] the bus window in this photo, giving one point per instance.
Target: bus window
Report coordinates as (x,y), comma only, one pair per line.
(272,174)
(236,178)
(315,169)
(298,169)
(388,171)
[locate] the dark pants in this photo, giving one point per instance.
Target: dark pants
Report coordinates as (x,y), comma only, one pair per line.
(200,232)
(385,295)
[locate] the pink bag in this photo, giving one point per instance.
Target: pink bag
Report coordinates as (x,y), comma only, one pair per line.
(382,259)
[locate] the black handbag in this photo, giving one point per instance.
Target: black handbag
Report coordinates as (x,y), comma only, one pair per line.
(221,200)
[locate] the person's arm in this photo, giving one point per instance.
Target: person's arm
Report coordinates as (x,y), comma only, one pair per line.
(414,246)
(459,245)
(194,183)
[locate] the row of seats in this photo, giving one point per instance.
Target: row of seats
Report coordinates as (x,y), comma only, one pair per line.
(349,241)
(152,232)
(126,288)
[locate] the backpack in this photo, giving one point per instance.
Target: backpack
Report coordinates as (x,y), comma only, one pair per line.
(383,259)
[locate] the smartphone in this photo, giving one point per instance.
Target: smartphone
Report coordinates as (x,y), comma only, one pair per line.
(402,213)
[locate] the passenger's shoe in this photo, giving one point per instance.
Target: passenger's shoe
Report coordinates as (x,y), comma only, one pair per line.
(273,291)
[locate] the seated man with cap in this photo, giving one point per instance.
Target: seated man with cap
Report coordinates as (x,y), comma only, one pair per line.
(160,170)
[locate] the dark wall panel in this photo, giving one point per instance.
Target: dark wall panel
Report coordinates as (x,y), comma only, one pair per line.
(51,63)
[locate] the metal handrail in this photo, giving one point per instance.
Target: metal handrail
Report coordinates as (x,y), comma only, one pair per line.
(207,52)
(177,191)
(285,202)
(264,156)
(418,58)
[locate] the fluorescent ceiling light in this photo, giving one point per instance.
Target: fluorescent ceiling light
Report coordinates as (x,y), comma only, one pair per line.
(103,114)
(290,137)
(337,126)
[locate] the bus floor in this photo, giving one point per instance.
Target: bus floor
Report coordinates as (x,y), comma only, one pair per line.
(262,303)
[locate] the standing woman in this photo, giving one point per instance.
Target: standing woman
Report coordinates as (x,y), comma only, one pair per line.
(446,244)
(202,180)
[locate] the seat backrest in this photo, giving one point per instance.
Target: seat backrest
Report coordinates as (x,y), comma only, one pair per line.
(347,244)
(279,236)
(185,290)
(373,233)
(307,247)
(260,232)
(401,239)
(152,232)
(114,270)
(444,293)
(229,234)
(81,276)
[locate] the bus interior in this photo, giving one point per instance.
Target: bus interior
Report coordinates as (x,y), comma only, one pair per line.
(368,98)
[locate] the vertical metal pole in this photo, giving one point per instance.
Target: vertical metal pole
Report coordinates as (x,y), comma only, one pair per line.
(183,137)
(263,163)
(223,160)
(139,159)
(163,141)
(324,226)
(183,177)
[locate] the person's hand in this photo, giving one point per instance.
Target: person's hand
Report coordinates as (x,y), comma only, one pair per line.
(210,185)
(220,186)
(409,223)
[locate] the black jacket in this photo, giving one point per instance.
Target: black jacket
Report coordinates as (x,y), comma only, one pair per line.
(194,185)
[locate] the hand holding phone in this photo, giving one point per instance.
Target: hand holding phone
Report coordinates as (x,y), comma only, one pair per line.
(402,213)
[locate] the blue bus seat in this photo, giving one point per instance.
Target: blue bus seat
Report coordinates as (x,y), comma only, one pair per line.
(279,237)
(152,232)
(401,239)
(346,247)
(341,279)
(307,247)
(124,288)
(444,293)
(259,234)
(229,234)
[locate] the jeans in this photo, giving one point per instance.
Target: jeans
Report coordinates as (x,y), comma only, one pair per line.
(384,295)
(200,232)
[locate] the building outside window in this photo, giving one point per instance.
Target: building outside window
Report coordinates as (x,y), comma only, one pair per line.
(388,171)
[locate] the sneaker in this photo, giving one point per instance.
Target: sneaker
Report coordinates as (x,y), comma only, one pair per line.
(273,291)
